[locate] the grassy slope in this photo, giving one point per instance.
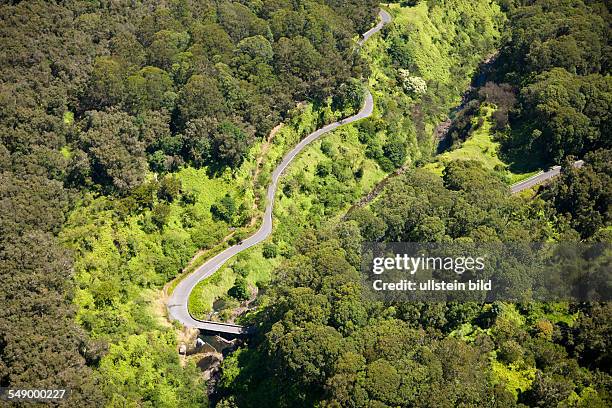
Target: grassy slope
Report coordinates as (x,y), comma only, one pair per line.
(291,214)
(435,57)
(481,147)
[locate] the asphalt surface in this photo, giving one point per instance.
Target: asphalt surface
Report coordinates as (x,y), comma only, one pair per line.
(540,178)
(178,302)
(385,18)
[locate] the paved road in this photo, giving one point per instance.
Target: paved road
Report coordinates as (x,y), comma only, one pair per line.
(385,18)
(178,302)
(540,178)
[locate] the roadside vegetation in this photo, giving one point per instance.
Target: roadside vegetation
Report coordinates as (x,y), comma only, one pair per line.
(135,138)
(129,142)
(320,342)
(334,172)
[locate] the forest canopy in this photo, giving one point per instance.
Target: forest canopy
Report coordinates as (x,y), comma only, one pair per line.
(101,98)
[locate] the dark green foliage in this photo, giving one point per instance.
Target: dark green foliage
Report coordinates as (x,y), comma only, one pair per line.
(169,188)
(396,150)
(38,335)
(558,53)
(230,143)
(160,215)
(240,290)
(270,250)
(333,346)
(224,209)
(112,142)
(557,33)
(151,88)
(559,107)
(592,335)
(200,98)
(584,194)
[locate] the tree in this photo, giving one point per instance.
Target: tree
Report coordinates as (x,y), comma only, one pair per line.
(160,215)
(213,40)
(240,290)
(256,48)
(166,45)
(372,228)
(309,353)
(36,300)
(116,153)
(169,188)
(150,88)
(270,250)
(200,98)
(107,83)
(225,209)
(396,151)
(412,84)
(231,143)
(584,193)
(591,335)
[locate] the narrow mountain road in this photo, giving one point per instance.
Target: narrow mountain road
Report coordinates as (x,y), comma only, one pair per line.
(178,303)
(540,178)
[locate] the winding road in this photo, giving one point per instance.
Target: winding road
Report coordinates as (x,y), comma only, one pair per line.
(540,178)
(179,300)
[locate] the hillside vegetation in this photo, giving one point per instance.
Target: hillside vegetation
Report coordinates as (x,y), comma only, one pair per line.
(321,342)
(331,174)
(129,141)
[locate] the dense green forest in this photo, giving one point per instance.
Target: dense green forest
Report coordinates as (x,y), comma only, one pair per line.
(137,134)
(99,101)
(551,83)
(321,344)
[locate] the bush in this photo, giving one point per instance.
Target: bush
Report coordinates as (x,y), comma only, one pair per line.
(241,269)
(270,250)
(240,290)
(225,209)
(509,351)
(327,148)
(160,215)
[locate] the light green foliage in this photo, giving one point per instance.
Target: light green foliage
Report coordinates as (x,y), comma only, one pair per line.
(308,198)
(514,377)
(481,147)
(68,118)
(445,35)
(423,65)
(144,369)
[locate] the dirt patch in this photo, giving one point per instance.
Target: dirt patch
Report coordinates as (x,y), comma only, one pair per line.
(158,308)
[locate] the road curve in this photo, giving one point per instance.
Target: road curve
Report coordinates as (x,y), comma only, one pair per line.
(385,18)
(540,178)
(179,300)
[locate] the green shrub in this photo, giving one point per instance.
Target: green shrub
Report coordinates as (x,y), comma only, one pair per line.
(270,250)
(240,290)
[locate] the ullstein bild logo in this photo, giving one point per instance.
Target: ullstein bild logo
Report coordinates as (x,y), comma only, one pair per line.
(401,271)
